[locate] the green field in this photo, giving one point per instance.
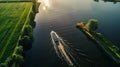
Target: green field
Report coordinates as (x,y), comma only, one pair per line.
(15,0)
(12,19)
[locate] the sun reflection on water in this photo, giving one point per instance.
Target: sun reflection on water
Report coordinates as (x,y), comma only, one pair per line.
(44,7)
(46,4)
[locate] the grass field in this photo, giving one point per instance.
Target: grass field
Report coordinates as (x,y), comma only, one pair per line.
(12,19)
(15,0)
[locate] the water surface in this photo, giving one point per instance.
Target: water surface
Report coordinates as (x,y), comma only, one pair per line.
(61,16)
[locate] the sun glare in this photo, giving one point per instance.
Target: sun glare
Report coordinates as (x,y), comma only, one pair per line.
(44,7)
(46,2)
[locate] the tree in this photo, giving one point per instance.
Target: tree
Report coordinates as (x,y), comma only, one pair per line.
(92,25)
(28,30)
(3,65)
(96,0)
(32,22)
(19,50)
(9,61)
(18,59)
(34,5)
(26,42)
(27,38)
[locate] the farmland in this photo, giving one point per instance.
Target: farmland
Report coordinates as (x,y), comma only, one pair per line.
(12,18)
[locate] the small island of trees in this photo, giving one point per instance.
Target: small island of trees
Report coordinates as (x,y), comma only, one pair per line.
(107,46)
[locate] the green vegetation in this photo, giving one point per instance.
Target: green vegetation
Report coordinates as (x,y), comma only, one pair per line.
(114,1)
(18,60)
(109,48)
(11,27)
(8,62)
(15,0)
(15,27)
(3,65)
(19,50)
(26,42)
(35,6)
(27,30)
(92,25)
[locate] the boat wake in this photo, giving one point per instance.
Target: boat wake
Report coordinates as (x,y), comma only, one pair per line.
(67,53)
(62,50)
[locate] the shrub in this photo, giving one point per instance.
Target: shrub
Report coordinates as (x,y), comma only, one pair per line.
(32,22)
(27,30)
(18,59)
(34,5)
(92,25)
(31,16)
(3,65)
(26,42)
(27,38)
(19,50)
(9,61)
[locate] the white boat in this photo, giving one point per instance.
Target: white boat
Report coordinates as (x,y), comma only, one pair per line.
(55,41)
(60,50)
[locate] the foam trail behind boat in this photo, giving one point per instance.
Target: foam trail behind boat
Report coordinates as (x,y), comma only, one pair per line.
(62,50)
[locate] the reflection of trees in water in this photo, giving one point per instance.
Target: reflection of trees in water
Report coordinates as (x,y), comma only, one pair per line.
(114,1)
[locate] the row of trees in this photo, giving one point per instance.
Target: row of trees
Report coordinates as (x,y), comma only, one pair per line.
(15,60)
(27,38)
(114,1)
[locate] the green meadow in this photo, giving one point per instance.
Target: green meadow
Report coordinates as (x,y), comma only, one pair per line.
(12,18)
(15,0)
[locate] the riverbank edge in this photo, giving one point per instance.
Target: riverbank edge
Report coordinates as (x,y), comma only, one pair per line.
(111,54)
(29,21)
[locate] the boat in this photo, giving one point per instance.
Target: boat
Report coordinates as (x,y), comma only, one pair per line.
(60,48)
(55,37)
(55,41)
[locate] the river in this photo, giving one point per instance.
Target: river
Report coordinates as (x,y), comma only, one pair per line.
(61,16)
